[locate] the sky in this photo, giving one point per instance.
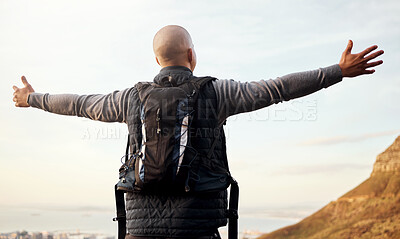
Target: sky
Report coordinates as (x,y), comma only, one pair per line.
(298,154)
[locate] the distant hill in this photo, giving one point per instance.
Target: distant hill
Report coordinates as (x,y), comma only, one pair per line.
(371,210)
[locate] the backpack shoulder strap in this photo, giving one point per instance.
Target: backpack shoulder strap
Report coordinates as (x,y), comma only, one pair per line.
(139,86)
(201,81)
(233,215)
(194,85)
(142,88)
(121,213)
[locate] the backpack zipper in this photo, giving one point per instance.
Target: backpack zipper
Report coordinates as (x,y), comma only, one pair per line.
(158,121)
(158,131)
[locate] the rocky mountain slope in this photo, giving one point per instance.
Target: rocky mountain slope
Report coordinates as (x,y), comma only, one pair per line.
(371,210)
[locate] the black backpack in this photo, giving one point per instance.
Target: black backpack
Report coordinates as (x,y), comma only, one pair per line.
(165,159)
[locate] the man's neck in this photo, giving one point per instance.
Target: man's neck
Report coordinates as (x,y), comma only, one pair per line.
(186,64)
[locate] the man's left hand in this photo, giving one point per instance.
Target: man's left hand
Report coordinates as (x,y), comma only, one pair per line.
(357,64)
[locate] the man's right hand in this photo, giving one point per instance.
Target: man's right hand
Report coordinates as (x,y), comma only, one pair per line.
(21,94)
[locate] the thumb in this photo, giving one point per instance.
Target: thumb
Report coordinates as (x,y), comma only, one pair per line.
(349,47)
(24,81)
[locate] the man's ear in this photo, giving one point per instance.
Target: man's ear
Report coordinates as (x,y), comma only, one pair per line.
(190,55)
(158,62)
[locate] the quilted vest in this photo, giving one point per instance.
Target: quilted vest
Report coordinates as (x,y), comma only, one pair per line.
(186,214)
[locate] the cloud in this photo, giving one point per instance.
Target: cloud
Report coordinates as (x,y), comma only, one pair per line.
(347,138)
(320,168)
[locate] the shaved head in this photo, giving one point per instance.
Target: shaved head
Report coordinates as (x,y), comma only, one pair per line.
(173,45)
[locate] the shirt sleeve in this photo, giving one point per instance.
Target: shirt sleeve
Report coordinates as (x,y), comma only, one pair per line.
(111,107)
(235,97)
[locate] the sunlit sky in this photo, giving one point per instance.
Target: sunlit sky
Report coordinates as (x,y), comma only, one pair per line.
(311,150)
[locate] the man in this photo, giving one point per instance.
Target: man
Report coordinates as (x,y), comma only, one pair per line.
(191,216)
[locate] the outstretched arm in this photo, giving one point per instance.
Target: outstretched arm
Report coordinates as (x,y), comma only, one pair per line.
(235,97)
(111,107)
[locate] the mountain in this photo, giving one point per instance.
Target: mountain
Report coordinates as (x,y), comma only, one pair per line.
(371,210)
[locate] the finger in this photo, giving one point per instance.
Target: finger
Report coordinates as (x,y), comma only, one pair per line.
(15,99)
(349,47)
(373,55)
(16,104)
(368,50)
(15,88)
(372,64)
(24,81)
(368,72)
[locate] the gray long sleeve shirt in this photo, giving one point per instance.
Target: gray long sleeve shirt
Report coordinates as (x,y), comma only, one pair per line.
(233,97)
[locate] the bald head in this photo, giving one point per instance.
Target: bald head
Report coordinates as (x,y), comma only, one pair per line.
(173,46)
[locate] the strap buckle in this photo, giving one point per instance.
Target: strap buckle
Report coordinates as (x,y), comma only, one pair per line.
(115,219)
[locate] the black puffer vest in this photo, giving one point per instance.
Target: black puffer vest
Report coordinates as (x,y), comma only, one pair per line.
(194,213)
